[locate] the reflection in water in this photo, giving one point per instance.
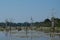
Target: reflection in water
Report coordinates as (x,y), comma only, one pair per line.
(54,36)
(8,34)
(21,35)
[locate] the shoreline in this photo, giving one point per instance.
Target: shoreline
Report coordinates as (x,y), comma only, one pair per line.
(44,29)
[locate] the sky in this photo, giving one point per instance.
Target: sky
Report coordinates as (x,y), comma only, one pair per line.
(23,10)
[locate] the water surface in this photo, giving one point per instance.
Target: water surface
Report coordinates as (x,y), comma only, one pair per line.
(30,35)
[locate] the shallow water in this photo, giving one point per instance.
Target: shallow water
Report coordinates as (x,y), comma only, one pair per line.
(31,35)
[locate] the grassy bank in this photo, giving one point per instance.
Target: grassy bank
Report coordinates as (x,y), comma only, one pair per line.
(48,29)
(44,29)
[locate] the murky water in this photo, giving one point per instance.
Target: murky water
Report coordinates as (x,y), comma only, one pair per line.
(30,35)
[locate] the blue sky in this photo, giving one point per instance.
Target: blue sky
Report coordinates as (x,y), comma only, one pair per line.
(22,10)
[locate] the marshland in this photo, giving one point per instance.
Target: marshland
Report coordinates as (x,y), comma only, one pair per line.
(29,19)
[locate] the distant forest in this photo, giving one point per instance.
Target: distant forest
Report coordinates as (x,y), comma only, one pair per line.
(45,23)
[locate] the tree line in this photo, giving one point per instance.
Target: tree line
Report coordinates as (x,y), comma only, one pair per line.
(45,23)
